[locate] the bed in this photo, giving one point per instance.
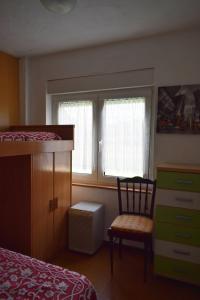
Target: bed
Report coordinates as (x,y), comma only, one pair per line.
(35,182)
(14,139)
(23,277)
(21,136)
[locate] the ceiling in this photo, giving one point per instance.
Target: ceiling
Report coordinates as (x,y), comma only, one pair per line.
(26,28)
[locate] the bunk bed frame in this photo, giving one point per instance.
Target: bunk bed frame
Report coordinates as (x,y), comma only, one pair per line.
(35,183)
(13,148)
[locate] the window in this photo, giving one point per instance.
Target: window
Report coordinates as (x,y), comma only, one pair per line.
(80,114)
(112,131)
(123,137)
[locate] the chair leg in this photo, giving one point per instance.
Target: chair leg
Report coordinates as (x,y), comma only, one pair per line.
(120,248)
(151,249)
(146,250)
(111,254)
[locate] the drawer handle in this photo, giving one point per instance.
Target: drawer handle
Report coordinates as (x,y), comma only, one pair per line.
(183,235)
(184,181)
(184,200)
(184,218)
(180,271)
(181,252)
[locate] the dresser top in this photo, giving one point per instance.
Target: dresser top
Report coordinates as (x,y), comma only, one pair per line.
(184,168)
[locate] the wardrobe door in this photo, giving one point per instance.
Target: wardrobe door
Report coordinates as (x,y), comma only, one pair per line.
(62,197)
(15,175)
(42,206)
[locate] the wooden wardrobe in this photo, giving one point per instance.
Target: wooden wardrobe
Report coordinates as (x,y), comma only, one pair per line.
(35,180)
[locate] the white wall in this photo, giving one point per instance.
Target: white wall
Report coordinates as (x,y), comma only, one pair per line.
(175,59)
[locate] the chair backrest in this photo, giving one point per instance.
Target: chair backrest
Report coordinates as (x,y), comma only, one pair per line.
(136,196)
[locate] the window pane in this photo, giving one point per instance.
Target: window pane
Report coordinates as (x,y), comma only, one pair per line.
(80,114)
(123,137)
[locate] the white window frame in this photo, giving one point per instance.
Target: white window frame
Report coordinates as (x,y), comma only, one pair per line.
(118,94)
(97,177)
(80,177)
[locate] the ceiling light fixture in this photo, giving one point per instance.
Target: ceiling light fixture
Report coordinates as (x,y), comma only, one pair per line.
(59,6)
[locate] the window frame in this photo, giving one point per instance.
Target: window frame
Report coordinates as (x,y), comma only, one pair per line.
(147,93)
(97,97)
(80,177)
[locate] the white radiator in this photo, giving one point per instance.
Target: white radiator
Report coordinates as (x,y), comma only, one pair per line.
(86,227)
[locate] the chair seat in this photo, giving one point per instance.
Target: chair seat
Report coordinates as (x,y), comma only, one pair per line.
(132,223)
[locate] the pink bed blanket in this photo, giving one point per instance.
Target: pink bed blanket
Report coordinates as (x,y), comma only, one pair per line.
(27,136)
(23,277)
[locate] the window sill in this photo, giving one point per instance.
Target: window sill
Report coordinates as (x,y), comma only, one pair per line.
(97,186)
(107,187)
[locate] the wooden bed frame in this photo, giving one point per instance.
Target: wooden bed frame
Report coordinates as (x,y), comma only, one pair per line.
(35,183)
(66,132)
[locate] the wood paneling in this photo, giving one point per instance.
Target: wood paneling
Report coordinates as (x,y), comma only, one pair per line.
(27,148)
(184,168)
(9,90)
(15,173)
(41,215)
(62,195)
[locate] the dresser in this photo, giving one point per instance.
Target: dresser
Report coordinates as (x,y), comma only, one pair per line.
(177,222)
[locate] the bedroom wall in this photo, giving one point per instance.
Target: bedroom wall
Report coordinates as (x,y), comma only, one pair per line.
(9,88)
(175,59)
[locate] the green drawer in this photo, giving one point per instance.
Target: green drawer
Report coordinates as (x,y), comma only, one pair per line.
(177,215)
(177,269)
(178,181)
(178,234)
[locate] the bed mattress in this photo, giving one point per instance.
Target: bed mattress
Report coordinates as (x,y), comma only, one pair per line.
(23,277)
(28,136)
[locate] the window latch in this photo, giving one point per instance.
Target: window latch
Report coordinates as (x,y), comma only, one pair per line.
(100,145)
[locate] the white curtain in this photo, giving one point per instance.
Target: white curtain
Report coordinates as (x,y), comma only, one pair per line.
(79,113)
(124,137)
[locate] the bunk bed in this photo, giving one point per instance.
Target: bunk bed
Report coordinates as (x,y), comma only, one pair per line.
(35,183)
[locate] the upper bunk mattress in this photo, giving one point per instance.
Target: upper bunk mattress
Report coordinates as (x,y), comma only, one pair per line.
(28,136)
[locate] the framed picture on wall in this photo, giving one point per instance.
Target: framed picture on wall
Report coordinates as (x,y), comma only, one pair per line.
(179,109)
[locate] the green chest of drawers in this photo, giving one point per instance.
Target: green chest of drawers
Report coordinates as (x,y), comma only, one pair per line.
(177,222)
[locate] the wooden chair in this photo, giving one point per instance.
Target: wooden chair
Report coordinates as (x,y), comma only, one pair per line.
(136,198)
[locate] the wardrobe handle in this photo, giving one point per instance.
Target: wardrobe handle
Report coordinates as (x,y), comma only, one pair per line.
(55,203)
(51,205)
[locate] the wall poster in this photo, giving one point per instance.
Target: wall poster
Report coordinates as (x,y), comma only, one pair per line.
(179,109)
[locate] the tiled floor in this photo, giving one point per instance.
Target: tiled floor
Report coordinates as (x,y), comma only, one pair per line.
(127,282)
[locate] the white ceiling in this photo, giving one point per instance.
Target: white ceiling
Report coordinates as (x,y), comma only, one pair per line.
(26,28)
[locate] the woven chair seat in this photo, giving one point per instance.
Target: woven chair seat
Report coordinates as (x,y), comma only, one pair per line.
(132,223)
